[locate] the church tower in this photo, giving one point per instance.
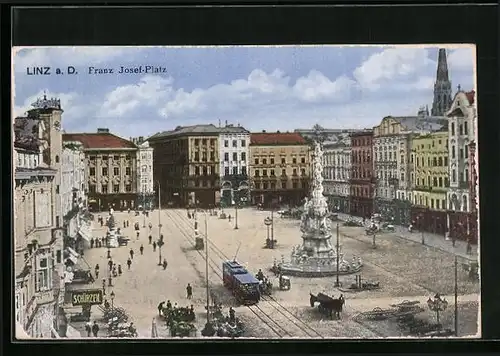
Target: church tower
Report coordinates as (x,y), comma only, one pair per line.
(442,87)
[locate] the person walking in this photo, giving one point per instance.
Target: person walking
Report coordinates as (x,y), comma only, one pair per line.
(96,270)
(141,249)
(131,254)
(160,308)
(138,232)
(150,238)
(129,263)
(120,271)
(229,217)
(165,264)
(154,246)
(88,328)
(150,226)
(95,328)
(92,242)
(110,264)
(189,291)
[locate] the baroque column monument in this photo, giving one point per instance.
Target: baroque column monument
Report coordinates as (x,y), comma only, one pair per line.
(317,257)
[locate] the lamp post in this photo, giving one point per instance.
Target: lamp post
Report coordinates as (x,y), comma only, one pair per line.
(208,329)
(337,282)
(421,227)
(268,222)
(104,286)
(144,208)
(437,305)
(112,295)
(456,296)
(236,202)
(160,240)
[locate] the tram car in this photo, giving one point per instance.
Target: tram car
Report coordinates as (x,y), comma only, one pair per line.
(242,284)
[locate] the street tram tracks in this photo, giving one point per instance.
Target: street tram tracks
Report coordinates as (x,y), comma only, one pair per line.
(255,309)
(276,305)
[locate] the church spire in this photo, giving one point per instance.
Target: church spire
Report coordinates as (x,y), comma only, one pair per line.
(442,86)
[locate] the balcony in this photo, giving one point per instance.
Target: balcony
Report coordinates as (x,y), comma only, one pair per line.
(44,297)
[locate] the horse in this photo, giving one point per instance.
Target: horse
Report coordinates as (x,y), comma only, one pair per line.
(328,305)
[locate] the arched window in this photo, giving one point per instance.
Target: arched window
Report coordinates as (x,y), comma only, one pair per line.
(57,159)
(464,202)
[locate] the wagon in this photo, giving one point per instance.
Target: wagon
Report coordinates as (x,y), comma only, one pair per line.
(378,314)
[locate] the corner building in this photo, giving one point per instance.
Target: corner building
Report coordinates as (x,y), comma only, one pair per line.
(111,169)
(186,166)
(362,175)
(337,173)
(279,168)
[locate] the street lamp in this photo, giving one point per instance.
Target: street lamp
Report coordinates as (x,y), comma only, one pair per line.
(109,252)
(112,295)
(160,241)
(144,208)
(268,222)
(437,305)
(160,244)
(236,213)
(208,330)
(337,282)
(421,226)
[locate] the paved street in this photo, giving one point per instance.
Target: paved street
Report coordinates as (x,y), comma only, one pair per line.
(405,270)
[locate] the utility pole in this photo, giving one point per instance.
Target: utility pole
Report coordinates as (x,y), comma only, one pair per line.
(456,295)
(208,330)
(272,224)
(236,212)
(337,282)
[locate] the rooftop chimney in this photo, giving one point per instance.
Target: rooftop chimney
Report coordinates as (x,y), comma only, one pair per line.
(102,130)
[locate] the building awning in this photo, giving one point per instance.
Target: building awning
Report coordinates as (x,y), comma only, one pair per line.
(72,252)
(72,259)
(85,234)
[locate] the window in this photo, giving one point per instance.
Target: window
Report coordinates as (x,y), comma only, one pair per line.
(243,143)
(440,181)
(453,175)
(226,156)
(104,171)
(57,159)
(204,156)
(402,177)
(197,156)
(197,170)
(434,162)
(117,158)
(265,185)
(411,159)
(467,152)
(446,161)
(116,171)
(294,160)
(256,161)
(116,188)
(466,128)
(437,203)
(428,161)
(43,279)
(272,172)
(264,172)
(303,185)
(283,172)
(461,175)
(226,170)
(104,189)
(212,142)
(243,156)
(204,141)
(235,156)
(402,159)
(435,182)
(205,170)
(461,153)
(461,129)
(283,185)
(226,143)
(283,160)
(294,185)
(92,158)
(432,203)
(272,160)
(235,170)
(212,156)
(244,170)
(453,129)
(428,181)
(105,158)
(418,182)
(433,142)
(466,174)
(58,256)
(273,185)
(446,182)
(127,171)
(257,173)
(257,185)
(440,161)
(295,171)
(302,160)
(92,188)
(196,141)
(264,161)
(235,143)
(452,151)
(303,172)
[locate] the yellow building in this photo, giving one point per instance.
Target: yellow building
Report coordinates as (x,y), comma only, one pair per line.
(279,168)
(429,179)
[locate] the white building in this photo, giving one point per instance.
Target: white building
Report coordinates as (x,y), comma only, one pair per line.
(234,144)
(462,118)
(72,190)
(145,182)
(337,172)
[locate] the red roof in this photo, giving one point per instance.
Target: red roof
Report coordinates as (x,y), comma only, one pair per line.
(277,138)
(99,140)
(470,96)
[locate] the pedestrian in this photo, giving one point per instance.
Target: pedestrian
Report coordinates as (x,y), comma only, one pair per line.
(160,308)
(120,270)
(129,210)
(453,241)
(88,328)
(92,242)
(189,291)
(154,246)
(138,235)
(110,264)
(150,226)
(129,263)
(115,273)
(150,238)
(165,264)
(96,269)
(102,222)
(95,328)
(141,249)
(124,224)
(131,254)
(229,217)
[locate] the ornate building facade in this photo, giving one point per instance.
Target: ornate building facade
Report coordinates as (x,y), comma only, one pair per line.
(279,168)
(38,233)
(362,175)
(337,173)
(234,143)
(145,180)
(111,169)
(462,118)
(186,163)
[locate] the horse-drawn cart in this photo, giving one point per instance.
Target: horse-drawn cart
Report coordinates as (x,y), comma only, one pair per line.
(327,305)
(284,282)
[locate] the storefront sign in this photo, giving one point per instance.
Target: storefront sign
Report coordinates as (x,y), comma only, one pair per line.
(87,297)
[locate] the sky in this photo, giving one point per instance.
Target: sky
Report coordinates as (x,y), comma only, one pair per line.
(260,88)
